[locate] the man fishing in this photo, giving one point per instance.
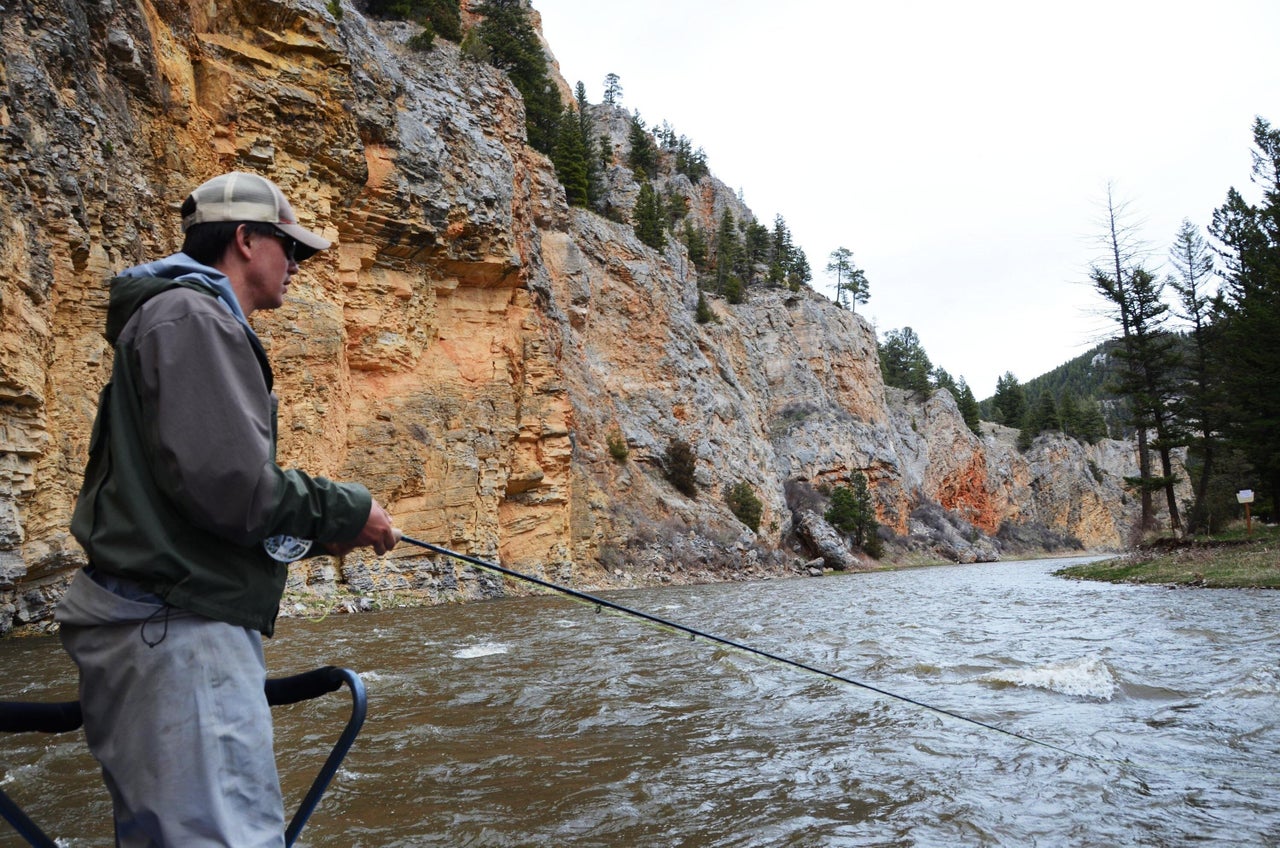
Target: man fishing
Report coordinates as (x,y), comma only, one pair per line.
(188,523)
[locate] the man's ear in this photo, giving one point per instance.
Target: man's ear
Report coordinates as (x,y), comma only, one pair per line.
(242,243)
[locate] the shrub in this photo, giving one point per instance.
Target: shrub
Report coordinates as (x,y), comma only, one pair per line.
(444,16)
(474,48)
(680,467)
(618,446)
(744,504)
(422,42)
(704,314)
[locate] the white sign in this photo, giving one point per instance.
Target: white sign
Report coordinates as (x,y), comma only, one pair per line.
(1244,496)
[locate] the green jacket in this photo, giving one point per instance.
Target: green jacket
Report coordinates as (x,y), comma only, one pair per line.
(182,485)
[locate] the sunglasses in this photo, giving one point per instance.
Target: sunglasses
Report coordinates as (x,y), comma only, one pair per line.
(289,243)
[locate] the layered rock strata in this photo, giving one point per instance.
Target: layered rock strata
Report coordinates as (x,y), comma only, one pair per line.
(471,346)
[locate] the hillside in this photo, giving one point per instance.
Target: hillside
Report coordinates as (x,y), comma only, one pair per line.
(473,344)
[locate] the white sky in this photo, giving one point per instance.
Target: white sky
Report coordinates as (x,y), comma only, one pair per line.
(960,150)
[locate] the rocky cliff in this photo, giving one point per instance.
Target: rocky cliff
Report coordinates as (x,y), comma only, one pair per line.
(471,345)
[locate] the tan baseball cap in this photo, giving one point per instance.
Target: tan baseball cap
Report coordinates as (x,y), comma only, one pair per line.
(245,198)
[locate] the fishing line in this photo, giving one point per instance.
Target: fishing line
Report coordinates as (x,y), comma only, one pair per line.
(738,646)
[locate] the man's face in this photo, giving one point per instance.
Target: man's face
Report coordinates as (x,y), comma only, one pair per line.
(272,266)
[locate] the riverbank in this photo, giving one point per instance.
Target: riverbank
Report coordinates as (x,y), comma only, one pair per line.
(1233,561)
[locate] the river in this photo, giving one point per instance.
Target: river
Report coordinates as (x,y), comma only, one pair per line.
(542,722)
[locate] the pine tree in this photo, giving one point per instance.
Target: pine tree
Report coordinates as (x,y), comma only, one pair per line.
(755,249)
(1113,284)
(798,274)
(1202,411)
(1069,413)
(853,512)
(612,90)
(595,175)
(1149,365)
(704,315)
(943,380)
(648,218)
(570,159)
(1044,415)
(675,206)
(513,47)
(849,278)
(442,17)
(745,504)
(681,467)
(696,243)
(1010,400)
(1093,426)
(727,249)
(1249,322)
(969,408)
(643,159)
(903,362)
(692,163)
(781,252)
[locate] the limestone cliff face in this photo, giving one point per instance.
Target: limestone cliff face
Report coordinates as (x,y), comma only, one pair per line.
(469,346)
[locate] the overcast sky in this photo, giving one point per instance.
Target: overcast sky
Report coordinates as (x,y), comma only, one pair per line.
(962,151)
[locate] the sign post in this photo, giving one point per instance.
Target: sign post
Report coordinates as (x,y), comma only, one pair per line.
(1245,496)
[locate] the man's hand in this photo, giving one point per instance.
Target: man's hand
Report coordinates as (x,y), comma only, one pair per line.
(378,533)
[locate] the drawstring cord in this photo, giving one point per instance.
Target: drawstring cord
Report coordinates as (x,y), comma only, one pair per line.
(143,630)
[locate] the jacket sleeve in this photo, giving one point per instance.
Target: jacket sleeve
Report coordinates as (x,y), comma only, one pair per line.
(209,435)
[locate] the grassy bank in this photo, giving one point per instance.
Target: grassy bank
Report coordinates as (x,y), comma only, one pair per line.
(1230,561)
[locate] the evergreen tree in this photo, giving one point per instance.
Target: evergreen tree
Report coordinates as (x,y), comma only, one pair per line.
(704,315)
(755,249)
(696,243)
(692,163)
(1070,413)
(969,408)
(1149,366)
(798,274)
(675,206)
(852,512)
(1112,283)
(781,250)
(903,362)
(441,17)
(745,504)
(727,249)
(1202,410)
(643,159)
(612,90)
(943,380)
(595,175)
(606,152)
(1249,322)
(681,466)
(648,218)
(849,278)
(570,159)
(1010,400)
(1093,426)
(513,47)
(734,290)
(1044,416)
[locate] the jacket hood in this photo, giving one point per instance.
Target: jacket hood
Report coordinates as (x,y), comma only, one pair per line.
(135,286)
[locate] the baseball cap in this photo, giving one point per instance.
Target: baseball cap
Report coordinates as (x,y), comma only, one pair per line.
(246,198)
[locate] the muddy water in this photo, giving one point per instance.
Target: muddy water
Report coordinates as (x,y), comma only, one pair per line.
(539,722)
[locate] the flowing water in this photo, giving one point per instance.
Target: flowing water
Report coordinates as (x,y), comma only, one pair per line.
(541,722)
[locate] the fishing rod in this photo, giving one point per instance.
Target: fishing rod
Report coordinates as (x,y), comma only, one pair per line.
(738,646)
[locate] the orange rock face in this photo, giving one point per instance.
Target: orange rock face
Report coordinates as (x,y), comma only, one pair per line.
(471,345)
